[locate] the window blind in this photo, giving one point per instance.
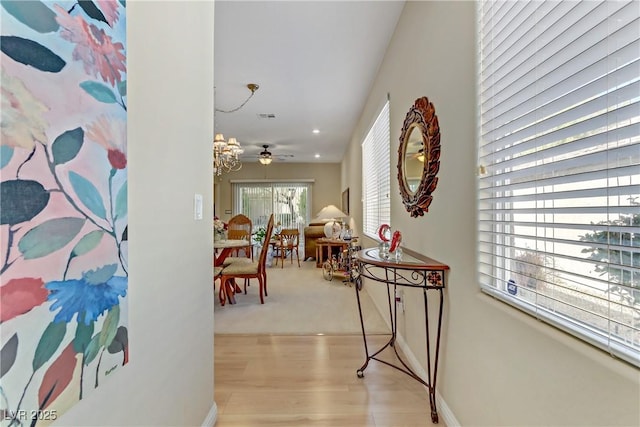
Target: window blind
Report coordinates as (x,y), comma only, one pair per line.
(376,174)
(559,156)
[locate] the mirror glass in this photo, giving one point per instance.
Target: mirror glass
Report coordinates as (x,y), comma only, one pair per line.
(414,158)
(419,157)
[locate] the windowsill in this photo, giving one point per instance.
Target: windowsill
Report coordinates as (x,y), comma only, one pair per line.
(601,357)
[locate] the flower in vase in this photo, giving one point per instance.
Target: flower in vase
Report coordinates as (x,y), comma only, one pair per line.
(219,229)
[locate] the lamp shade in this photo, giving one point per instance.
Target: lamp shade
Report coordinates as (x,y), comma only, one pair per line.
(332,229)
(331,212)
(219,141)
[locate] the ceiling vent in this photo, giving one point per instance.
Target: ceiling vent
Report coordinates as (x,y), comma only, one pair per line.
(266,116)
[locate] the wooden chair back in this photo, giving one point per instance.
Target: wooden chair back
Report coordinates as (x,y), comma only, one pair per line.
(238,234)
(289,237)
(262,259)
(240,228)
(240,222)
(288,242)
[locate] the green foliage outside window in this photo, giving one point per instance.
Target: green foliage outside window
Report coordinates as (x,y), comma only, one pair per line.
(612,262)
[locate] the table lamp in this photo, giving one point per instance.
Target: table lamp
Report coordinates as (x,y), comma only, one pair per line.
(332,228)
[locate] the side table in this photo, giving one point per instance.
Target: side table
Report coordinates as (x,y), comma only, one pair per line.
(328,243)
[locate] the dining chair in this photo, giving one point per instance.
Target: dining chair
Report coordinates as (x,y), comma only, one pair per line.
(240,227)
(216,276)
(249,270)
(287,244)
(237,234)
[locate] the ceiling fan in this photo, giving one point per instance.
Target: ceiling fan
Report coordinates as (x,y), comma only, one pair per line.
(266,157)
(419,155)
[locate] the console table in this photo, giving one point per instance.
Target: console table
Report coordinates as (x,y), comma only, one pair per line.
(413,271)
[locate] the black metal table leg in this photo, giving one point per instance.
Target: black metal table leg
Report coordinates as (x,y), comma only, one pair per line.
(425,274)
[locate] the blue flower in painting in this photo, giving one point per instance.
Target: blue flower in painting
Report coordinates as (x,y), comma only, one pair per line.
(88,297)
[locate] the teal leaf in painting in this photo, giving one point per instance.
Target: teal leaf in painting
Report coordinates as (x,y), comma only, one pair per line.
(88,194)
(110,326)
(99,91)
(8,354)
(83,337)
(121,202)
(49,237)
(67,146)
(92,349)
(34,14)
(6,153)
(31,53)
(88,242)
(91,10)
(49,343)
(100,275)
(122,88)
(21,200)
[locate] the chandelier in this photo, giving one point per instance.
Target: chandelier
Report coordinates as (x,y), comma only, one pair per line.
(226,154)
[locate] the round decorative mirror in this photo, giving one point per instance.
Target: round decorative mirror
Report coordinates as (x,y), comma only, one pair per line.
(419,157)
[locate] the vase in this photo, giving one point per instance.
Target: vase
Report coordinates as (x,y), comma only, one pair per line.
(383,250)
(397,254)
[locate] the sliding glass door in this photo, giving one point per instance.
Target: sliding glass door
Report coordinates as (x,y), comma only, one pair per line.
(290,202)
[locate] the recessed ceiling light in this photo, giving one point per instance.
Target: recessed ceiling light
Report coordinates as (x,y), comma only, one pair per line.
(316,131)
(317,156)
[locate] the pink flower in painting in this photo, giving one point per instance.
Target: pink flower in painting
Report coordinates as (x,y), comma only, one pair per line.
(93,47)
(109,10)
(22,123)
(19,296)
(110,133)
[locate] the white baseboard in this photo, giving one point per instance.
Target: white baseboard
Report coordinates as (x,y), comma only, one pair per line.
(212,416)
(444,411)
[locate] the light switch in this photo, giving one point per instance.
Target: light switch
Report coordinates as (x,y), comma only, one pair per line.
(197,207)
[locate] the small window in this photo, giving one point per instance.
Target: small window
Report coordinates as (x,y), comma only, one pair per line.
(376,173)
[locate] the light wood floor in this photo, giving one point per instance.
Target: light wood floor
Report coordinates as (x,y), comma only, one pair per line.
(264,380)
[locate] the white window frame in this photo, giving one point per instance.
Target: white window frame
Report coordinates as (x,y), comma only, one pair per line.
(559,164)
(376,174)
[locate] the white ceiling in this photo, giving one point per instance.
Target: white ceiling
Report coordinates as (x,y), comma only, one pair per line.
(315,62)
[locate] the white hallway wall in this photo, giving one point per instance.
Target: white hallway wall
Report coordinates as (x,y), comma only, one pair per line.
(169,379)
(498,367)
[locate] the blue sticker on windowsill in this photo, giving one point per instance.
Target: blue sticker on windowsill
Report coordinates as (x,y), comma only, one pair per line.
(512,288)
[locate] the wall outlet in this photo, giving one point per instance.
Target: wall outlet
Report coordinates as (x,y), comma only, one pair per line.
(400,299)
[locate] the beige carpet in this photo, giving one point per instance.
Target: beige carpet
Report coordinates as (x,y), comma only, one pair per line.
(300,301)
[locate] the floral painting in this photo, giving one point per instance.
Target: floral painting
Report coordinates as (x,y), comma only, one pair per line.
(63,204)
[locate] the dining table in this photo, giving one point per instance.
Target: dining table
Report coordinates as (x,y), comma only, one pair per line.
(221,250)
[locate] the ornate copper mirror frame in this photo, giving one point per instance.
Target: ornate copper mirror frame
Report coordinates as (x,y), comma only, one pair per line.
(422,116)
